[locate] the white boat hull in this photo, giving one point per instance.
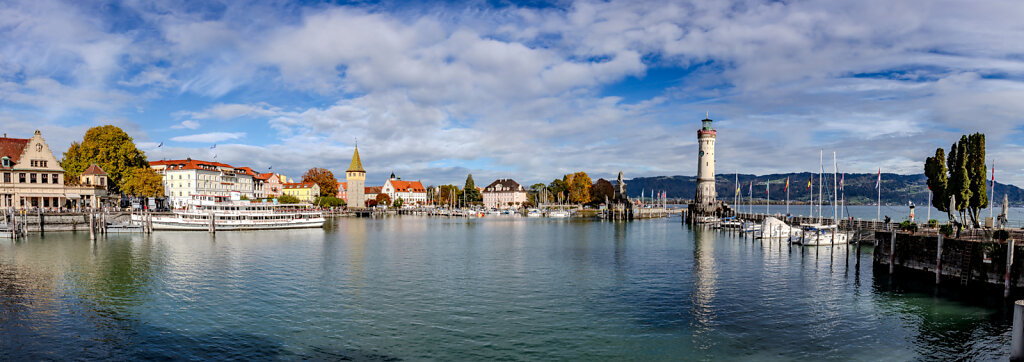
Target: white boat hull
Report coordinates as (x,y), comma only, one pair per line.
(174,223)
(816,239)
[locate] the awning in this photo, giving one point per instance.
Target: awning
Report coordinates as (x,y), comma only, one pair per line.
(40,195)
(73,196)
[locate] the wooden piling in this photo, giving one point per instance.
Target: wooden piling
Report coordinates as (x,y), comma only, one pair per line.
(1017,332)
(938,261)
(892,253)
(213,224)
(1009,263)
(41,223)
(92,227)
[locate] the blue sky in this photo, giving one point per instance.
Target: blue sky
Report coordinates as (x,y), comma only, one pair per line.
(434,91)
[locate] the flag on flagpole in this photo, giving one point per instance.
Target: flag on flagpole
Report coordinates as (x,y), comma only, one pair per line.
(766,187)
(878,183)
(160,145)
(841,180)
(737,188)
(787,184)
(809,181)
(214,146)
(751,188)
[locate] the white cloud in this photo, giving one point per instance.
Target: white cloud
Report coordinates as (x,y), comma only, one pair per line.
(211,137)
(536,91)
(186,124)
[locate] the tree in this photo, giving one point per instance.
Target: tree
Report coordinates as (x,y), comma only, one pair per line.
(472,194)
(371,203)
(935,171)
(383,199)
(288,199)
(398,203)
(601,191)
(448,194)
(110,148)
(976,171)
(143,181)
(324,178)
(557,187)
(579,187)
(962,178)
(329,201)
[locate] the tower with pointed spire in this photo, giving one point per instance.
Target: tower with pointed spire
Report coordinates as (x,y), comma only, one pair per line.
(355,177)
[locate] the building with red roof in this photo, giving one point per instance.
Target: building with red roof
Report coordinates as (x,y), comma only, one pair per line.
(31,177)
(188,177)
(411,192)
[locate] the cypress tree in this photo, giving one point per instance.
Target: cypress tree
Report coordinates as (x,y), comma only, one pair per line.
(977,172)
(935,170)
(962,180)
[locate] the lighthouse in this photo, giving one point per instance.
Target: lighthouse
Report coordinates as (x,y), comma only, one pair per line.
(704,203)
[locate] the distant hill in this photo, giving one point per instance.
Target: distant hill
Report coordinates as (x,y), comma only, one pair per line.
(859,188)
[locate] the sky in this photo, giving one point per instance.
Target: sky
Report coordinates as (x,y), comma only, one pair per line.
(433,91)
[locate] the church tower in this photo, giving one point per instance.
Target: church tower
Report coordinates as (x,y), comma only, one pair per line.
(706,195)
(355,177)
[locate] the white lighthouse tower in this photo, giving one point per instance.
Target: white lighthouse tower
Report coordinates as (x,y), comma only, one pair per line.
(705,201)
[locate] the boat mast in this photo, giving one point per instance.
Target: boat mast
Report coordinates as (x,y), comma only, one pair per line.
(835,187)
(821,168)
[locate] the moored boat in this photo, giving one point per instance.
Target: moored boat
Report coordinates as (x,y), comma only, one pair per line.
(235,215)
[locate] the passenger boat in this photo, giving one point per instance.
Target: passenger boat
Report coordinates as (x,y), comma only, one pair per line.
(236,215)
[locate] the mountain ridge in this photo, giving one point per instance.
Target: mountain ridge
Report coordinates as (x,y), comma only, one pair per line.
(859,188)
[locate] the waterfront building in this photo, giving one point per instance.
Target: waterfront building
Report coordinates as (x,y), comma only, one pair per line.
(705,200)
(273,184)
(371,192)
(91,188)
(30,176)
(257,184)
(411,192)
(342,191)
(184,178)
(355,178)
(503,194)
(304,191)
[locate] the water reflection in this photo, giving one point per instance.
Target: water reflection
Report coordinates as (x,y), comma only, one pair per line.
(702,309)
(424,288)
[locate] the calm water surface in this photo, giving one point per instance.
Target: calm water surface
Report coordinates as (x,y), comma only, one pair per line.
(414,288)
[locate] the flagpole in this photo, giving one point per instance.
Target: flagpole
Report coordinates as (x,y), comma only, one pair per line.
(787,196)
(821,161)
(835,188)
(879,188)
(992,191)
(768,191)
(929,203)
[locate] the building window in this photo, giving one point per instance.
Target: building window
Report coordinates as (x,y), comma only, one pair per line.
(46,178)
(32,178)
(56,178)
(7,177)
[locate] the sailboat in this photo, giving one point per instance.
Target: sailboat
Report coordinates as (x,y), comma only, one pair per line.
(820,234)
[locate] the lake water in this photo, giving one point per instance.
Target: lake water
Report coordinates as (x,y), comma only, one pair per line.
(414,288)
(1015,215)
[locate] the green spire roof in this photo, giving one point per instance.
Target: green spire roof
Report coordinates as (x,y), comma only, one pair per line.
(357,164)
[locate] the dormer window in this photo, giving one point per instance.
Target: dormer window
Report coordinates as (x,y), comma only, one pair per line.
(6,161)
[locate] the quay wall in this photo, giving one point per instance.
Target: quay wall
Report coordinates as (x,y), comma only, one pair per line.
(62,221)
(959,256)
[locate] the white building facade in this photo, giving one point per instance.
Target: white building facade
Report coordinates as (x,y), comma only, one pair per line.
(184,178)
(411,192)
